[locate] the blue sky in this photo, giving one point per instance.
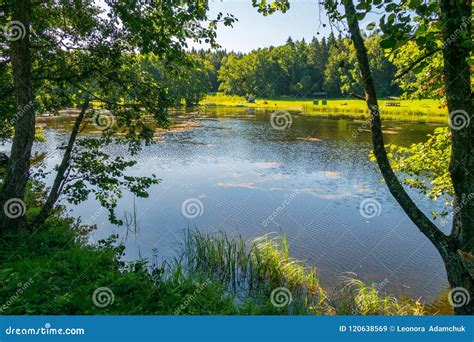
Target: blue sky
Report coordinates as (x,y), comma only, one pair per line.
(253,30)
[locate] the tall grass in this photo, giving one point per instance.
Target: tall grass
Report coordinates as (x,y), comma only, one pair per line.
(255,268)
(358,298)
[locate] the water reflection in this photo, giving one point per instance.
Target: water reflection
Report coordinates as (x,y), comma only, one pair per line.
(242,170)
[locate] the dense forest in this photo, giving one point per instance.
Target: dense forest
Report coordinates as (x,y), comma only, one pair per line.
(300,69)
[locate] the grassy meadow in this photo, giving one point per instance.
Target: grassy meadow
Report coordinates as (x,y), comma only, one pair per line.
(410,110)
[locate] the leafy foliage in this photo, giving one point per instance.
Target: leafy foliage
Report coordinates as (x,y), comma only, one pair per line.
(189,82)
(426,166)
(425,80)
(93,171)
(301,69)
(85,51)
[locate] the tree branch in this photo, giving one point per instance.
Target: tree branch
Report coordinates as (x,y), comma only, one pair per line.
(63,169)
(357,96)
(415,63)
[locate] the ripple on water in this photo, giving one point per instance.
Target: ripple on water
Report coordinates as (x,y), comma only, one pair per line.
(306,182)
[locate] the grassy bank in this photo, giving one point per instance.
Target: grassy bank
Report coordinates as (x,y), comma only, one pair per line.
(52,270)
(409,110)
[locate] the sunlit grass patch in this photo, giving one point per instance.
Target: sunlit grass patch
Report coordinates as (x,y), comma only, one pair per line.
(426,110)
(358,298)
(254,269)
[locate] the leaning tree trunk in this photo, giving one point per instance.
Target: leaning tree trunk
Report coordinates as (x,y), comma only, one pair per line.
(457,271)
(19,163)
(62,171)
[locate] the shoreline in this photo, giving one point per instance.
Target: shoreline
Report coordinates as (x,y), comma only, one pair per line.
(423,111)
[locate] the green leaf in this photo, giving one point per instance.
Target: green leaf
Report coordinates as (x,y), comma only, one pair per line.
(364,6)
(371,26)
(360,16)
(388,43)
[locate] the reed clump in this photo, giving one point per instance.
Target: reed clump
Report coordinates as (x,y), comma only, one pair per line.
(254,269)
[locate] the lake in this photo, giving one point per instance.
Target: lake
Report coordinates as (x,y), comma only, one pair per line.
(234,171)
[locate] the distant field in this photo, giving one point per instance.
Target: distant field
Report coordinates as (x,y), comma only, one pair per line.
(409,110)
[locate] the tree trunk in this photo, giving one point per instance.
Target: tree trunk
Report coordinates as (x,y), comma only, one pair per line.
(19,163)
(62,172)
(455,17)
(458,273)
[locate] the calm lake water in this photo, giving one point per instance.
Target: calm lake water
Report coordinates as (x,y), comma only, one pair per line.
(307,181)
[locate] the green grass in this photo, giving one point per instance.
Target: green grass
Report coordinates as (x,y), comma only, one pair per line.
(253,270)
(53,270)
(256,268)
(409,110)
